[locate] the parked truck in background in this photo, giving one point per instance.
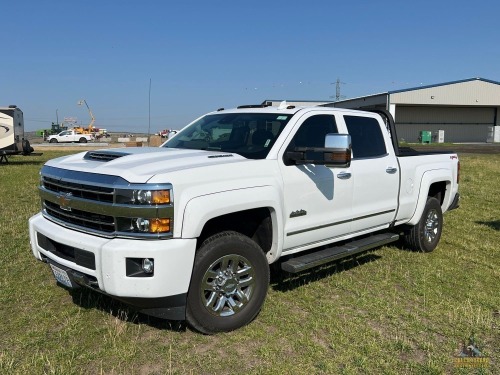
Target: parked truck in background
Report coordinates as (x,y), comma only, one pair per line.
(188,230)
(70,136)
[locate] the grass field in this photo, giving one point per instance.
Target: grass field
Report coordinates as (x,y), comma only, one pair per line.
(389,311)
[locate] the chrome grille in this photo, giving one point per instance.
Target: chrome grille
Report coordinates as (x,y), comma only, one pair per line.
(95,193)
(98,204)
(80,218)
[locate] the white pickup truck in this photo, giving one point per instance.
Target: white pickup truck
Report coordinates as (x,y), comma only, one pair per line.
(70,136)
(188,230)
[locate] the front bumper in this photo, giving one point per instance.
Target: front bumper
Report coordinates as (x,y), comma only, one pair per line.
(101,264)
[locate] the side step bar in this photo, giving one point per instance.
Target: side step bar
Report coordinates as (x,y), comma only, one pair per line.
(330,254)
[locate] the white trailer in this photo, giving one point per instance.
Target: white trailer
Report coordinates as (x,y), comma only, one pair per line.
(12,141)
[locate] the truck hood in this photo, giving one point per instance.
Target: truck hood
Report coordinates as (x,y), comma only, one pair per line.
(139,164)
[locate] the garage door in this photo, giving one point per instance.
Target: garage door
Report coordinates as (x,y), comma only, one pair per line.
(459,124)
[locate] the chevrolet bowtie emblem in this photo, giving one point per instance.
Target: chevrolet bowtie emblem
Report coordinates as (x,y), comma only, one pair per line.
(65,201)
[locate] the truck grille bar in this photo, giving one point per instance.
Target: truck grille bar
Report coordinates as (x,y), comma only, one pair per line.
(81,218)
(97,193)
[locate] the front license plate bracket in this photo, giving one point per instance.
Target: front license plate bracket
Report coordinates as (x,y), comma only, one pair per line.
(62,276)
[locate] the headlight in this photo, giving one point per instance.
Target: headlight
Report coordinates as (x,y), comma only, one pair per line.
(145,210)
(151,196)
(159,225)
(153,225)
(144,196)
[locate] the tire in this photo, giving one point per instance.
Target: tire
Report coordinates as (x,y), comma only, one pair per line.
(53,140)
(27,149)
(83,140)
(425,235)
(229,283)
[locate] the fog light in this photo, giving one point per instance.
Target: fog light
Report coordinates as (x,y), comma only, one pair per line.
(148,265)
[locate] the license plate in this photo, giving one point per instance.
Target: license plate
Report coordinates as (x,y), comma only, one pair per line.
(61,276)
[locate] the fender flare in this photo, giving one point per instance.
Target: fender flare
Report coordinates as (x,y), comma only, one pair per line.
(429,178)
(199,210)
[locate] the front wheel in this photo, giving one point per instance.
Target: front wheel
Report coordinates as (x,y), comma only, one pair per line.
(424,236)
(229,283)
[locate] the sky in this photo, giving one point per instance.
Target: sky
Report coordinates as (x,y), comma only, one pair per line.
(150,65)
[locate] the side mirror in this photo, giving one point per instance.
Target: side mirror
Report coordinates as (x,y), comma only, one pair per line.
(340,150)
(336,153)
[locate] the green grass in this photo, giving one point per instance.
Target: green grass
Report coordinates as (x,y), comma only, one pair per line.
(388,311)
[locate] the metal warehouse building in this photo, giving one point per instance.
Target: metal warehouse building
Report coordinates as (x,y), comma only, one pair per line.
(467,110)
(464,111)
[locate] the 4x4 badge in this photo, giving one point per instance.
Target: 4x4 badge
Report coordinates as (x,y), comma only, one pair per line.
(65,201)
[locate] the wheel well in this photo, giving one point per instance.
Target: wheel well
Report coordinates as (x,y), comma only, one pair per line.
(438,190)
(255,224)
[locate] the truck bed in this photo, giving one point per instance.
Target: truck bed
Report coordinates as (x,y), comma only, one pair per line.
(408,151)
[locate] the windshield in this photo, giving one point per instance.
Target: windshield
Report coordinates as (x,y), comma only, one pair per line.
(250,135)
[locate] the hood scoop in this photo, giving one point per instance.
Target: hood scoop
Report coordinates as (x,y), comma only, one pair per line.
(104,155)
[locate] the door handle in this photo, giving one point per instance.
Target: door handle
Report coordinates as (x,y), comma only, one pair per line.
(391,170)
(344,175)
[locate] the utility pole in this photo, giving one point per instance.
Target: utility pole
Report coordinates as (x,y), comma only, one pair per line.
(337,90)
(149,112)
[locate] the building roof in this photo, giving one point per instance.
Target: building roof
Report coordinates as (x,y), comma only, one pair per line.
(443,84)
(386,93)
(295,101)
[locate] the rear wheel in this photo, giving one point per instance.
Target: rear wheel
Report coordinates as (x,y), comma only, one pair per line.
(425,235)
(83,140)
(53,140)
(229,283)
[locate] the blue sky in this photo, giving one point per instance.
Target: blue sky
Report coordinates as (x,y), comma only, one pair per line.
(203,55)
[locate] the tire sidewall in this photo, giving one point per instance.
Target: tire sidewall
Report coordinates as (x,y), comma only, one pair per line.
(216,247)
(432,204)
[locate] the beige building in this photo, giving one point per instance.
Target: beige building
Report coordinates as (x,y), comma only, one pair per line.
(464,111)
